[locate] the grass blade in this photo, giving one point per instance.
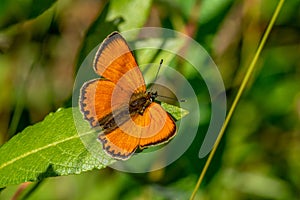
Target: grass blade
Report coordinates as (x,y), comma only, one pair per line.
(240,92)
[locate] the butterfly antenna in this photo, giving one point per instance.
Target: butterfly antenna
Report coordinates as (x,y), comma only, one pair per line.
(156,76)
(162,96)
(160,64)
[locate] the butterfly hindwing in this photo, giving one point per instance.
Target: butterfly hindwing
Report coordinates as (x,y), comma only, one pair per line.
(159,126)
(153,127)
(118,144)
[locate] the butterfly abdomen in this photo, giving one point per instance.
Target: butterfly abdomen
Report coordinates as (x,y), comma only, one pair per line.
(114,119)
(139,102)
(139,105)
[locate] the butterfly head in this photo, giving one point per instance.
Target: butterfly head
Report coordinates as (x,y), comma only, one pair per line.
(152,95)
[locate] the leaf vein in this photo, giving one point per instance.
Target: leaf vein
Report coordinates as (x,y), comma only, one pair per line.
(36,150)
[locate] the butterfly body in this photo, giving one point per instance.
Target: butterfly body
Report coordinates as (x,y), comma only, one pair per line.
(136,106)
(119,104)
(139,102)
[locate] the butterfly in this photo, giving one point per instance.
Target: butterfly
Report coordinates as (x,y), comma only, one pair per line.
(119,104)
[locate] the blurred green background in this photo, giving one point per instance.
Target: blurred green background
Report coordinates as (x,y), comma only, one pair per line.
(42,44)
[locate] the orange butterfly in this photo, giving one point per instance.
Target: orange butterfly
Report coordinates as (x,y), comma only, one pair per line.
(119,104)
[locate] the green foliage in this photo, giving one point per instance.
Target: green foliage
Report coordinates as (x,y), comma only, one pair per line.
(134,12)
(118,15)
(49,148)
(175,111)
(42,43)
(54,147)
(12,12)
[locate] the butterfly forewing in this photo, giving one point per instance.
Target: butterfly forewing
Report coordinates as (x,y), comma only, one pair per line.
(95,101)
(114,59)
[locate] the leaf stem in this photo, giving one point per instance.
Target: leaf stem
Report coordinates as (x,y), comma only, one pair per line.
(239,93)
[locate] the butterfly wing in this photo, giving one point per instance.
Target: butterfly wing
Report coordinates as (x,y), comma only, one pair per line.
(154,127)
(118,144)
(114,59)
(159,127)
(95,100)
(115,62)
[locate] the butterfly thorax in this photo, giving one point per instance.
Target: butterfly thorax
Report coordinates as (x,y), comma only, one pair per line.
(137,105)
(140,101)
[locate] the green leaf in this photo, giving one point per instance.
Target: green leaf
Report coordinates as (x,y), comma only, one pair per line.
(175,111)
(120,15)
(135,12)
(62,144)
(52,147)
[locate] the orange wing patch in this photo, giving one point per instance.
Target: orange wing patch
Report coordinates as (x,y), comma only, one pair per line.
(160,127)
(154,127)
(118,144)
(95,100)
(114,59)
